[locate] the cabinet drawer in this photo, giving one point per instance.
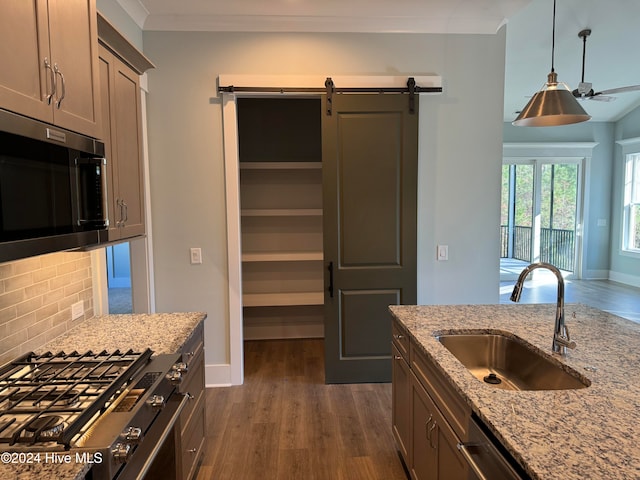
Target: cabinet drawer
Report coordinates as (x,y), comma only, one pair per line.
(193,345)
(446,398)
(400,339)
(194,386)
(193,441)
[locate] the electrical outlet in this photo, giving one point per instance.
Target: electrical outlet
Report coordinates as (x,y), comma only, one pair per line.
(196,255)
(77,310)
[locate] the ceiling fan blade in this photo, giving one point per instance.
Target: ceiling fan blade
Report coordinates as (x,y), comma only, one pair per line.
(630,88)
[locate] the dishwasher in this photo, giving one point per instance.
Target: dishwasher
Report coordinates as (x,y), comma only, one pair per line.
(486,457)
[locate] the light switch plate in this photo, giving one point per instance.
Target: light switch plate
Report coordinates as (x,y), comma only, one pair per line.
(442,253)
(196,255)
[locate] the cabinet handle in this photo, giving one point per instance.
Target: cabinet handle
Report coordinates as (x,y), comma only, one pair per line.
(120,217)
(126,212)
(426,426)
(433,427)
(120,204)
(397,357)
(52,77)
(397,336)
(427,434)
(192,450)
(330,289)
(57,71)
(463,447)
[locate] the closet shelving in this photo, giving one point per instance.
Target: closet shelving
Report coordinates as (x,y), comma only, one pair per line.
(282,246)
(281,219)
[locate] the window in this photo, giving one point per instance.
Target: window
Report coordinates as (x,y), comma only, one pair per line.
(631,222)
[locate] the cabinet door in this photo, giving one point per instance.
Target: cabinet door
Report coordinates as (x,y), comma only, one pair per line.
(424,463)
(435,445)
(401,404)
(73,37)
(106,63)
(25,82)
(451,463)
(370,165)
(122,126)
(128,135)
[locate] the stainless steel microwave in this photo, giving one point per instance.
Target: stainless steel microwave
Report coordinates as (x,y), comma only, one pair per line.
(52,188)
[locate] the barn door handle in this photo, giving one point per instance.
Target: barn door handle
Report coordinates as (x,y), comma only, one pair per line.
(330,289)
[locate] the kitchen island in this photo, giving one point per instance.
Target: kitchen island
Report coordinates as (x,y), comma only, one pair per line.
(163,333)
(588,433)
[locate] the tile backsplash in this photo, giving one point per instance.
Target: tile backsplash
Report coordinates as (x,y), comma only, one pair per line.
(36,295)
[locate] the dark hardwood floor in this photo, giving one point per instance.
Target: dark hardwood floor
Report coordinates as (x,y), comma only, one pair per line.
(285,423)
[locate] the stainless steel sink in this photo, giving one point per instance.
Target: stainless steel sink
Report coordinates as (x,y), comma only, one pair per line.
(511,363)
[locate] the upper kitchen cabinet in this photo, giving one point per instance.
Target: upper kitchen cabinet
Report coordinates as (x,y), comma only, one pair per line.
(120,68)
(49,50)
(122,126)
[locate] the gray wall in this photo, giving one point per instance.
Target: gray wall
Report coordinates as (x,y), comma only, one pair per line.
(623,267)
(460,154)
(599,188)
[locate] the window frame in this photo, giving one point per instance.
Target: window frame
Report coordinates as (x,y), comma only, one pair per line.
(630,201)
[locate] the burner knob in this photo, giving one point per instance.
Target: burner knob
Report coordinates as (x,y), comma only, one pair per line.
(132,435)
(175,377)
(156,401)
(121,452)
(180,367)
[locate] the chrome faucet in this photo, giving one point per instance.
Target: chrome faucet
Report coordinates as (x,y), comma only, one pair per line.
(561,340)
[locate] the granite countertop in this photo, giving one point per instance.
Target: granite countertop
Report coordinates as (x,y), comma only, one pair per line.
(589,433)
(161,332)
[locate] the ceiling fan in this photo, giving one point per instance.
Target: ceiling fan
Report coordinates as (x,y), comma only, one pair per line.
(585,90)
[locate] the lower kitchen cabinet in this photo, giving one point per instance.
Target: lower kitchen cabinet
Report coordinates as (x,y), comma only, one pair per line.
(435,453)
(428,422)
(191,425)
(401,403)
(433,425)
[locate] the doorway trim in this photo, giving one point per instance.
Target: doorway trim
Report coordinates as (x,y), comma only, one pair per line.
(575,152)
(232,174)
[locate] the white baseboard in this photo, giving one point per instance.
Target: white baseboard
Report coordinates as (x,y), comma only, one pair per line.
(632,280)
(217,375)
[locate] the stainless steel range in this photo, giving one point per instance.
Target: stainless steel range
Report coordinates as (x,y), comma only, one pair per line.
(112,410)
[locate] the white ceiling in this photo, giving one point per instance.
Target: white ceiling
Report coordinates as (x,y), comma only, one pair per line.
(612,49)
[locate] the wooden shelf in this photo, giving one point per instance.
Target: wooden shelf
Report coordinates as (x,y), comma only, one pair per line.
(281,256)
(280,165)
(282,299)
(281,212)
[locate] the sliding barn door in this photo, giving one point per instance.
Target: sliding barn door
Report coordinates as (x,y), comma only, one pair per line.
(370,167)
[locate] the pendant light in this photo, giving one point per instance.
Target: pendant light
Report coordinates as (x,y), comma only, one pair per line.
(554,104)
